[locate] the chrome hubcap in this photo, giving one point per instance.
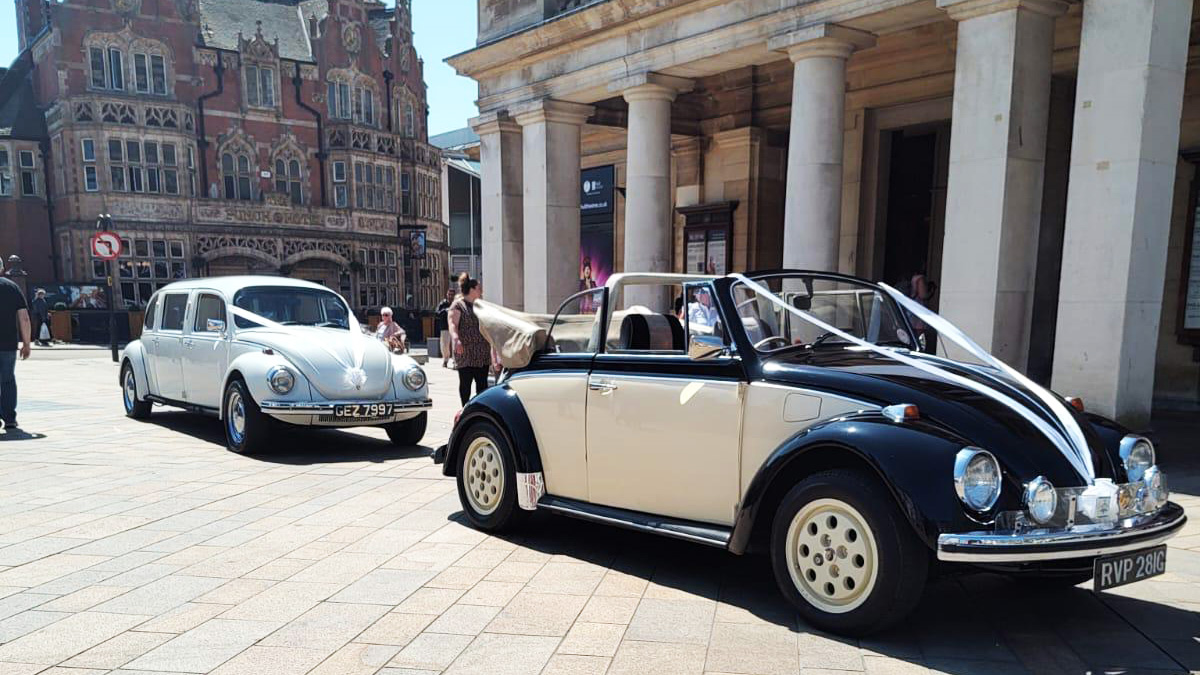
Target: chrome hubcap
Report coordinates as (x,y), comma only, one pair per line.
(235,417)
(130,390)
(484,476)
(831,555)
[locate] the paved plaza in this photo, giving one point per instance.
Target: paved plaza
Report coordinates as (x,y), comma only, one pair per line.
(145,547)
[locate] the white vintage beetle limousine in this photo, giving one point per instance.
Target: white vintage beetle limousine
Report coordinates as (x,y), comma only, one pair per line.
(791,412)
(253,350)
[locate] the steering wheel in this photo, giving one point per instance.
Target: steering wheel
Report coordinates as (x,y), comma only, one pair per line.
(772,338)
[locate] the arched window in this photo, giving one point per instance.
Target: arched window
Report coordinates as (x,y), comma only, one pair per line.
(287,179)
(235,174)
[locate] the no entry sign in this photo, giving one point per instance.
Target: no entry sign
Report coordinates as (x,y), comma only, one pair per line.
(106,245)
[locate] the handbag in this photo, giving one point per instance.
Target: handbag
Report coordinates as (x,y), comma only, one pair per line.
(44,334)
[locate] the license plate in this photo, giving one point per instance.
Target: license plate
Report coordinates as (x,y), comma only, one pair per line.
(1126,568)
(362,410)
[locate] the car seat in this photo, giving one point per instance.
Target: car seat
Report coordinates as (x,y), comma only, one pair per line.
(651,332)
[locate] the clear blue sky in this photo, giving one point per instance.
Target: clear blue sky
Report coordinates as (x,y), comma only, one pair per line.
(441,27)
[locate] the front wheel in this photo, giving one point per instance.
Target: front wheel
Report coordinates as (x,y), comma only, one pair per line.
(408,432)
(844,555)
(487,481)
(135,407)
(246,426)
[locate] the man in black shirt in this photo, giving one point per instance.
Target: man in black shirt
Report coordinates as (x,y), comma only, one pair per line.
(14,329)
(441,324)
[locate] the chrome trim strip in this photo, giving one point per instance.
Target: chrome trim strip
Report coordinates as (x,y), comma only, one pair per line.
(307,408)
(674,534)
(987,547)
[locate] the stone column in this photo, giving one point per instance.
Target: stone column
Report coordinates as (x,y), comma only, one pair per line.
(503,236)
(997,161)
(1128,102)
(648,180)
(550,142)
(813,207)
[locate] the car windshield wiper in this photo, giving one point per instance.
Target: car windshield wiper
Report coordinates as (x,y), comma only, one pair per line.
(331,324)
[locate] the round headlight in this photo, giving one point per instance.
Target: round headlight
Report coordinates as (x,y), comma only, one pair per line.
(977,478)
(281,380)
(1041,500)
(414,378)
(1138,455)
(1156,488)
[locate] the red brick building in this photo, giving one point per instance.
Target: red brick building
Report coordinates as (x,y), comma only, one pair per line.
(224,137)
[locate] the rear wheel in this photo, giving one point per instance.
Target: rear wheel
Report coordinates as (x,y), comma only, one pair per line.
(246,427)
(487,480)
(845,556)
(408,432)
(134,406)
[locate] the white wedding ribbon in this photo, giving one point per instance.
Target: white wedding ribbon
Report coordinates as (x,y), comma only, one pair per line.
(354,373)
(1081,461)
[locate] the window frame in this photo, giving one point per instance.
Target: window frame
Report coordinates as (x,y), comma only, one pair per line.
(200,297)
(167,297)
(597,323)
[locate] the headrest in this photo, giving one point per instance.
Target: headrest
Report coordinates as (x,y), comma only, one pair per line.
(651,332)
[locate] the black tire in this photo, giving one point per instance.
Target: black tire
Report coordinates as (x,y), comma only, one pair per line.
(408,432)
(900,565)
(256,425)
(134,407)
(504,513)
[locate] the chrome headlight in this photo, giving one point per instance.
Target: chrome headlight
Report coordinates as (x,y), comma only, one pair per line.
(1041,499)
(1138,455)
(281,379)
(414,378)
(1156,488)
(977,478)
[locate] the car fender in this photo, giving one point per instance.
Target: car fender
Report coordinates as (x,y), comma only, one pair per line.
(913,459)
(135,355)
(501,406)
(253,366)
(402,363)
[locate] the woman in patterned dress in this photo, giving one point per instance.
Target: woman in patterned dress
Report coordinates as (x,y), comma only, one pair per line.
(472,353)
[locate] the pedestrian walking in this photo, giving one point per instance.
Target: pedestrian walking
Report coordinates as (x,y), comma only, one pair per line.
(40,314)
(472,353)
(441,324)
(14,331)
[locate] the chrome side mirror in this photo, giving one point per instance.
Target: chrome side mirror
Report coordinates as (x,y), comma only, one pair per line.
(215,326)
(706,348)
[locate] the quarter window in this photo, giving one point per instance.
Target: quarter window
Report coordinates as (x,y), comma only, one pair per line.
(208,307)
(151,309)
(174,308)
(575,329)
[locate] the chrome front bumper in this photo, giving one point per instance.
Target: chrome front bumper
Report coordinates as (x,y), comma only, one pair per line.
(1036,546)
(314,413)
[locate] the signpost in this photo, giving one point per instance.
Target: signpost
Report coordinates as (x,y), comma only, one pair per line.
(106,246)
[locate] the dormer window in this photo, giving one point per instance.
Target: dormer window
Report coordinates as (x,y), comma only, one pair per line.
(107,68)
(150,74)
(260,86)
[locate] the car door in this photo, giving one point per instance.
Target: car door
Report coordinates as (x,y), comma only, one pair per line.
(149,341)
(205,350)
(168,345)
(553,391)
(663,430)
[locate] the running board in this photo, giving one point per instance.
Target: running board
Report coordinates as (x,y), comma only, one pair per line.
(190,407)
(687,530)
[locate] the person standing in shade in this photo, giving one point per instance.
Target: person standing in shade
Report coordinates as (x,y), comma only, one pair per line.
(441,323)
(472,353)
(40,313)
(14,330)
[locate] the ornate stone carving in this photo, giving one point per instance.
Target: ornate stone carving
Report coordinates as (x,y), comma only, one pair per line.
(117,113)
(83,111)
(296,247)
(337,138)
(360,140)
(258,47)
(309,72)
(375,225)
(352,38)
(205,57)
(385,144)
(264,246)
(127,207)
(162,117)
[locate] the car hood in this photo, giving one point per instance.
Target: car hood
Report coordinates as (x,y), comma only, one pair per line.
(329,359)
(978,419)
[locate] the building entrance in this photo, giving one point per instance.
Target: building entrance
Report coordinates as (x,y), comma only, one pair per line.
(915,208)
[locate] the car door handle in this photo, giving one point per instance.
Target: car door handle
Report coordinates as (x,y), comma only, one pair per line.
(602,386)
(188,344)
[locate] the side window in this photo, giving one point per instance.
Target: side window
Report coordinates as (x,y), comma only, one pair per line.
(208,307)
(576,326)
(174,307)
(151,310)
(700,313)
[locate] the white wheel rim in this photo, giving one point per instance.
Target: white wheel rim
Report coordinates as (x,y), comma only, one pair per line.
(483,478)
(831,556)
(130,390)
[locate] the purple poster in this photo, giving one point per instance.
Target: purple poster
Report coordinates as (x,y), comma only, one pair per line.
(596,228)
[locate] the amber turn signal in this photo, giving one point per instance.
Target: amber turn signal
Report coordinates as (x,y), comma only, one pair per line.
(902,412)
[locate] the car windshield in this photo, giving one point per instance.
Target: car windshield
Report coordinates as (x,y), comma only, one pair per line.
(856,308)
(292,306)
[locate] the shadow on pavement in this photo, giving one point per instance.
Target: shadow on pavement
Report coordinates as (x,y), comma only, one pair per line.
(293,446)
(968,622)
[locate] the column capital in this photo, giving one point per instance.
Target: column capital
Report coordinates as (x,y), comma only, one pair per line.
(493,122)
(822,39)
(961,10)
(551,110)
(651,86)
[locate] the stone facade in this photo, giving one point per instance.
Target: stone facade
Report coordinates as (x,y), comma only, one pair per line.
(1032,156)
(237,136)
